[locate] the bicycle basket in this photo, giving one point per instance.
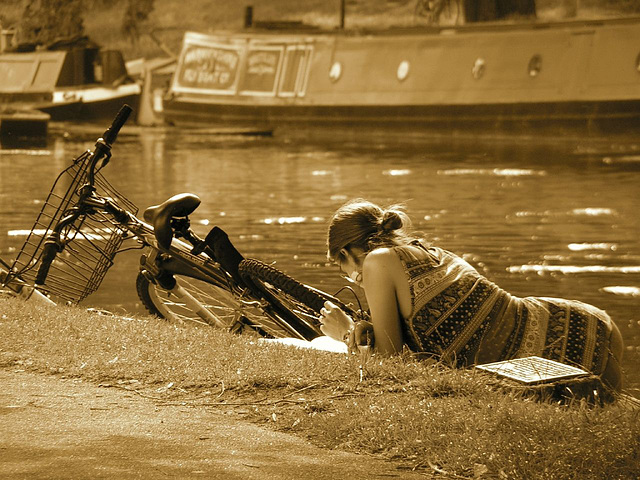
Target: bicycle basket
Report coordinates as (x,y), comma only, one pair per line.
(95,239)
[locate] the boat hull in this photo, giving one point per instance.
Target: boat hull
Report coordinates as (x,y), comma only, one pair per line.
(593,118)
(86,107)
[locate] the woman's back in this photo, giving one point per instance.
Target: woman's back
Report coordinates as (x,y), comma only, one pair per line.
(453,306)
(459,315)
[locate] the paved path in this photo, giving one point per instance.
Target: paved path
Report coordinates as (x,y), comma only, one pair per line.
(67,428)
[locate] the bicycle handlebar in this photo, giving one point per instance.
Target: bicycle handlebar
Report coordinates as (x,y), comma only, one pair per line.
(111,133)
(48,255)
(102,152)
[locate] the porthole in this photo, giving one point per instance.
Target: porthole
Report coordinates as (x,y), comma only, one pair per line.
(403,70)
(478,68)
(535,65)
(335,72)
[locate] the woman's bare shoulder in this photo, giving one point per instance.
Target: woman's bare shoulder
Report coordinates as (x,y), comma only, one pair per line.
(382,257)
(380,254)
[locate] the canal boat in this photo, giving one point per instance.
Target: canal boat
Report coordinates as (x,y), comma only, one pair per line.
(70,82)
(579,76)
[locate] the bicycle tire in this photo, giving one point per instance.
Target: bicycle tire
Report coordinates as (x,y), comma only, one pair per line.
(284,289)
(237,317)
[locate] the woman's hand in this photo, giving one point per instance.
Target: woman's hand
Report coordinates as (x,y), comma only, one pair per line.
(335,323)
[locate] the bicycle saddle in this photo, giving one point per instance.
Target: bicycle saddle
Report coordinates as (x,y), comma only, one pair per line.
(160,216)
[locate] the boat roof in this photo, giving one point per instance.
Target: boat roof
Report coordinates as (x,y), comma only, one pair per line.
(31,72)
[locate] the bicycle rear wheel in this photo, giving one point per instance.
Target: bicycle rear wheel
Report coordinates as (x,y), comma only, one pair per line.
(288,293)
(230,311)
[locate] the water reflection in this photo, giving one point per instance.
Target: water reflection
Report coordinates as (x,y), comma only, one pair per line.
(538,219)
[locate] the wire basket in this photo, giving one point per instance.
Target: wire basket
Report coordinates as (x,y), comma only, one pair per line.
(92,241)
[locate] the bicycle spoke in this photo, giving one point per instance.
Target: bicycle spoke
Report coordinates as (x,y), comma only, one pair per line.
(220,302)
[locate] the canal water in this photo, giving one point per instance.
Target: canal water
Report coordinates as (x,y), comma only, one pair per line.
(536,217)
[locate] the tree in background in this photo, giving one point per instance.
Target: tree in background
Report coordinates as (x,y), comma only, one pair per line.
(46,21)
(137,11)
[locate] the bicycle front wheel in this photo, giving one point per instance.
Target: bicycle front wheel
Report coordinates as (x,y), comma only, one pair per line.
(222,308)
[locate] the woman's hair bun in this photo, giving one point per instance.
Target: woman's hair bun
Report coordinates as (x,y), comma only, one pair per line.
(391,220)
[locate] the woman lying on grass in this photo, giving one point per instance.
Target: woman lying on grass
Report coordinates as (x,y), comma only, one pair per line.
(434,302)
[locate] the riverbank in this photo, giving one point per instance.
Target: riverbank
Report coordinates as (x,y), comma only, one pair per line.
(69,428)
(426,418)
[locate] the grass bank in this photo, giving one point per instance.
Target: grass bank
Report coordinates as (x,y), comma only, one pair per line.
(425,416)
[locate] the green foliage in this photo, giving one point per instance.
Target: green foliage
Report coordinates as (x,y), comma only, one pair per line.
(136,12)
(10,13)
(44,21)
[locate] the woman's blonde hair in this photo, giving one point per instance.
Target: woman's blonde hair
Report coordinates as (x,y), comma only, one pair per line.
(361,223)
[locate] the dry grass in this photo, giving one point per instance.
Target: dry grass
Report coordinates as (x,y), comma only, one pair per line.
(426,416)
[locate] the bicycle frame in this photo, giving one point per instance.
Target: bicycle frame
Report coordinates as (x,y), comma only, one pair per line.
(161,263)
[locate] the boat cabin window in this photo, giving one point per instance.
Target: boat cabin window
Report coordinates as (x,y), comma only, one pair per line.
(261,70)
(294,71)
(208,67)
(47,69)
(30,72)
(78,67)
(17,73)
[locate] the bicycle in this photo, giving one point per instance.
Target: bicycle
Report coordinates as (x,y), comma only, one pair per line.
(84,223)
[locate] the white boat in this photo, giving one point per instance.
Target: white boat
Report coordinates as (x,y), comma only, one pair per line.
(74,81)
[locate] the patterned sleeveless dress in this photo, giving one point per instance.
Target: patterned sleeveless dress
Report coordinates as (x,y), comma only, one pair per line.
(460,316)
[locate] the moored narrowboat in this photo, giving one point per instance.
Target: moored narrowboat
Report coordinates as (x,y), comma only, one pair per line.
(559,77)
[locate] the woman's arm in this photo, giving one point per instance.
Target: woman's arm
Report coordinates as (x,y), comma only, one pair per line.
(381,271)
